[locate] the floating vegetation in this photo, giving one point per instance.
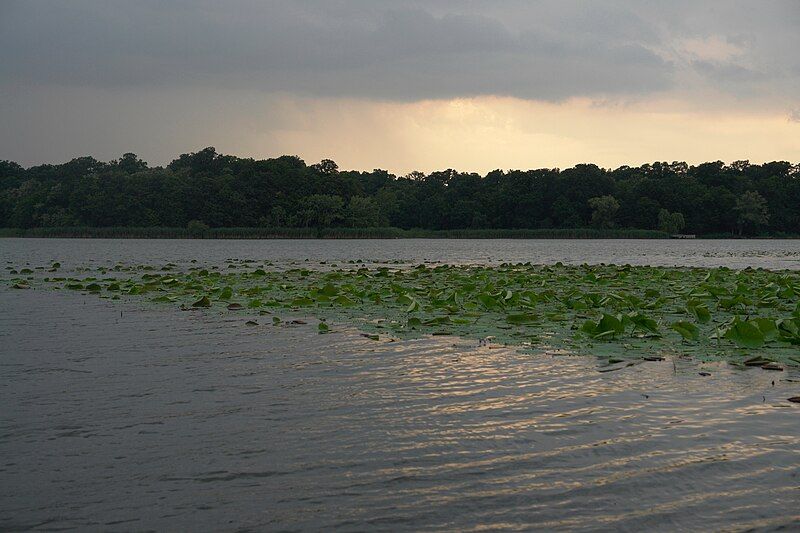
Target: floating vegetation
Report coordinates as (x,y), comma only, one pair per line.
(750,317)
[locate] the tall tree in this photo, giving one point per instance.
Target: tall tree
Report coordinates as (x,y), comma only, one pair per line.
(604,209)
(752,211)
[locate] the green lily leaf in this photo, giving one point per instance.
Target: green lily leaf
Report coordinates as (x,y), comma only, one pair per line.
(521,318)
(202,302)
(687,330)
(745,334)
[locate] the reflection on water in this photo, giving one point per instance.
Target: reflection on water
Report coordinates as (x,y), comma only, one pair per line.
(774,254)
(116,417)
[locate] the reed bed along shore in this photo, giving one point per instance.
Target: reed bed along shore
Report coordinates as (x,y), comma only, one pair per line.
(327,233)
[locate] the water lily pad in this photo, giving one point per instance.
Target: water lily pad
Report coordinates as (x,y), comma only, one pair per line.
(203,301)
(226,293)
(687,330)
(724,312)
(521,318)
(745,334)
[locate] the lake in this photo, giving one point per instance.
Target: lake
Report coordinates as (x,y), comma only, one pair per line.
(739,253)
(127,416)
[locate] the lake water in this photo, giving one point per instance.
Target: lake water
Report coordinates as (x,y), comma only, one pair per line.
(774,254)
(121,416)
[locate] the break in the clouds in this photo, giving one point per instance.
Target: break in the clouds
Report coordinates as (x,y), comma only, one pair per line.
(188,59)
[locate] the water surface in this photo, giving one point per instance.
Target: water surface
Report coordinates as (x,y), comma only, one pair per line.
(122,417)
(773,254)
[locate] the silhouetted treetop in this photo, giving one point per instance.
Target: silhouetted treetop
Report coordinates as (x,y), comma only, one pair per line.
(209,188)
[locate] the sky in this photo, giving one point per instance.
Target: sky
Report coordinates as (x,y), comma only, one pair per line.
(403,85)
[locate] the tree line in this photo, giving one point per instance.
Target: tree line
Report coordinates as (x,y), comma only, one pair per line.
(208,189)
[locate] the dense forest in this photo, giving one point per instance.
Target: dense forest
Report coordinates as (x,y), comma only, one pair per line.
(207,189)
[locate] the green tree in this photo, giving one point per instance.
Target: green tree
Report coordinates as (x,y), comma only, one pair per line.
(364,212)
(671,223)
(386,199)
(129,163)
(565,213)
(321,210)
(222,190)
(197,227)
(752,211)
(604,209)
(57,219)
(326,167)
(277,217)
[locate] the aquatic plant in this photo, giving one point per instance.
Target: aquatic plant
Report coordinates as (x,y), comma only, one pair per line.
(606,310)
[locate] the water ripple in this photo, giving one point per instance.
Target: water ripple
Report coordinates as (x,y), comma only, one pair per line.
(166,420)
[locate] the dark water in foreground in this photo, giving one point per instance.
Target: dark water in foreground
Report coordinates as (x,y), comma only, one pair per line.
(115,417)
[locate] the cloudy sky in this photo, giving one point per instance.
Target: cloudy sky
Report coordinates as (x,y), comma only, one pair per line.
(403,85)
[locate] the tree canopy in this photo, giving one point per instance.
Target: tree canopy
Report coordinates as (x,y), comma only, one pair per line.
(225,191)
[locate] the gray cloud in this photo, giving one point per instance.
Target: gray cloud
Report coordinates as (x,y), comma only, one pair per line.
(384,51)
(549,50)
(726,72)
(180,74)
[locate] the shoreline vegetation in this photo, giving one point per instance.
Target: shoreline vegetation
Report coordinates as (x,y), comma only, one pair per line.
(354,233)
(327,233)
(212,195)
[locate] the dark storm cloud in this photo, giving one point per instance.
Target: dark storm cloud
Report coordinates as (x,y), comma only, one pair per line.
(379,50)
(396,50)
(165,77)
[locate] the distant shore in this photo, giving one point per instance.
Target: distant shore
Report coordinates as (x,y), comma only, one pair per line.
(346,233)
